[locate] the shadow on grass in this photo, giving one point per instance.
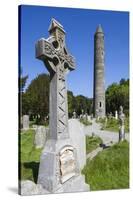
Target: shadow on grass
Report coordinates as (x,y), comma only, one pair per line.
(35,168)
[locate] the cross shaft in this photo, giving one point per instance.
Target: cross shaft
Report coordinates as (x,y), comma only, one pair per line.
(58,61)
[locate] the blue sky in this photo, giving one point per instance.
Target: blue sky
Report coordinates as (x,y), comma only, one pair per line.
(80,26)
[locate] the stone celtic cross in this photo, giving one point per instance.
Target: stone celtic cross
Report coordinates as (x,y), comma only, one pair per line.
(53,52)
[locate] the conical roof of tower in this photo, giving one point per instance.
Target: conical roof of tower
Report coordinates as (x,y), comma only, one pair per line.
(99,29)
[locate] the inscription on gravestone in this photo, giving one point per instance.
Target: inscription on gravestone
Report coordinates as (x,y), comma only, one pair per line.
(67,162)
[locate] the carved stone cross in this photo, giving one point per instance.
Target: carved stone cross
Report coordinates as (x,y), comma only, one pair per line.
(58,61)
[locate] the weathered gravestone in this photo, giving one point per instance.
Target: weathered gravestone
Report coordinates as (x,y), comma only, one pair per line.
(76,131)
(25,122)
(121,124)
(59,169)
(40,136)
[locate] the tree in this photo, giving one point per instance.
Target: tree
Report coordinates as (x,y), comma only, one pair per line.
(22,99)
(35,101)
(71,103)
(82,103)
(23,83)
(22,80)
(116,95)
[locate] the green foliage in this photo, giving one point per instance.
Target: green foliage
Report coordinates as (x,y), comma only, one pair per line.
(127,129)
(29,156)
(27,150)
(36,98)
(112,124)
(109,169)
(23,100)
(92,142)
(83,103)
(101,120)
(22,80)
(71,103)
(116,95)
(78,103)
(85,122)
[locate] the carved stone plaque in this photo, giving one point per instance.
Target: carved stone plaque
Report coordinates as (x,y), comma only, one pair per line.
(67,163)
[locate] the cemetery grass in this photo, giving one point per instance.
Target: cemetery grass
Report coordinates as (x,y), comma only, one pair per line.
(113,125)
(29,157)
(92,142)
(109,169)
(86,123)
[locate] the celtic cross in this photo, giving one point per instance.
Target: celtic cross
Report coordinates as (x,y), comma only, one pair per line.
(53,52)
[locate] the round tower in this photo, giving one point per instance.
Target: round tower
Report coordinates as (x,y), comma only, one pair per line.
(99,79)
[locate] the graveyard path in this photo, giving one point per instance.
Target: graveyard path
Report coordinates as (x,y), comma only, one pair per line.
(93,153)
(106,136)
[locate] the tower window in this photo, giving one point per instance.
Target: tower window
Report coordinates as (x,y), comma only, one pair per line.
(100,104)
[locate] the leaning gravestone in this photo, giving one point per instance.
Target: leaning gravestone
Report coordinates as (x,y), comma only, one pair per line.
(59,168)
(40,137)
(121,125)
(25,122)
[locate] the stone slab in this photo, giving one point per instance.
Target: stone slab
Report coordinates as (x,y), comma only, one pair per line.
(40,136)
(76,131)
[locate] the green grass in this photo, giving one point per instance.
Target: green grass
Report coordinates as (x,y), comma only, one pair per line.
(109,169)
(92,142)
(85,122)
(29,156)
(113,124)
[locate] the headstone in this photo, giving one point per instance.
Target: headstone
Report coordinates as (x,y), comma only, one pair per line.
(121,124)
(116,115)
(59,169)
(25,122)
(74,115)
(76,131)
(40,137)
